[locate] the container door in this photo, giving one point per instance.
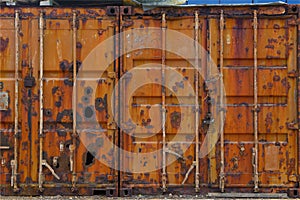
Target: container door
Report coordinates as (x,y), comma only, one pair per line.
(77,122)
(97,160)
(19,127)
(162,97)
(259,67)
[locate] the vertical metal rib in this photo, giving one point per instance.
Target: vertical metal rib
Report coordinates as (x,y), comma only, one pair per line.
(74,102)
(16,129)
(164,174)
(197,178)
(222,171)
(41,26)
(255,151)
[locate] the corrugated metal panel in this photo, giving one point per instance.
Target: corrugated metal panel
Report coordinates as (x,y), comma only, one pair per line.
(135,100)
(256,147)
(52,156)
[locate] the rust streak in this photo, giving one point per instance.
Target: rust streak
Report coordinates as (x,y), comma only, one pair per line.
(3,43)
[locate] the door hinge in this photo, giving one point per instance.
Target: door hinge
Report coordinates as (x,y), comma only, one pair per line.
(292,125)
(293,22)
(293,178)
(293,74)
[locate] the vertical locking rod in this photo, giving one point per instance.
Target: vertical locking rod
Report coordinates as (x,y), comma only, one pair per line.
(197,178)
(255,151)
(164,173)
(16,128)
(74,102)
(41,26)
(222,171)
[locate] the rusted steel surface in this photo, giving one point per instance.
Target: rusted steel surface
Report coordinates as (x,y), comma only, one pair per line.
(43,149)
(273,52)
(47,58)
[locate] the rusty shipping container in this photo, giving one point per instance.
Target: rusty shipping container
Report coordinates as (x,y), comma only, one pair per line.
(119,101)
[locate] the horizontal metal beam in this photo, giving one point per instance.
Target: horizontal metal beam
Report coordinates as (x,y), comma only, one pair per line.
(247,195)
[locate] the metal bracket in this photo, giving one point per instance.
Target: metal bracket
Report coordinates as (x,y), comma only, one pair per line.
(167,150)
(256,109)
(75,23)
(61,146)
(126,192)
(112,10)
(55,161)
(188,172)
(3,161)
(293,22)
(292,125)
(208,119)
(44,162)
(254,165)
(294,192)
(71,148)
(293,74)
(42,26)
(222,182)
(125,10)
(12,163)
(3,101)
